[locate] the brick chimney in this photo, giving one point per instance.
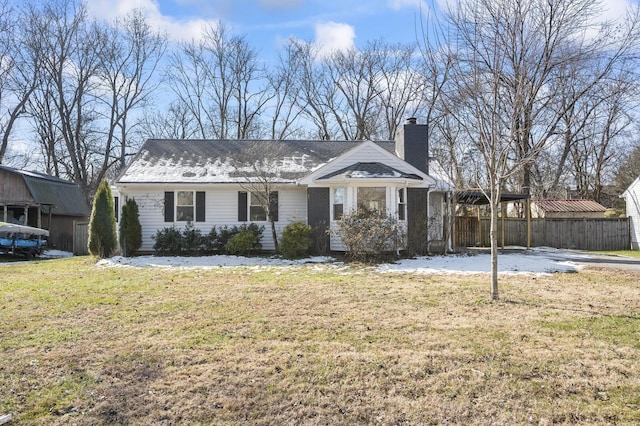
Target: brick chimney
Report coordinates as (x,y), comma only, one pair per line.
(412,144)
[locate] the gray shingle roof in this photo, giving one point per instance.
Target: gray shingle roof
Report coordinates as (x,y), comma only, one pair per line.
(371,170)
(227,161)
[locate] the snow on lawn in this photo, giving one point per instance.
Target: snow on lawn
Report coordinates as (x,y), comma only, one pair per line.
(206,261)
(55,254)
(536,261)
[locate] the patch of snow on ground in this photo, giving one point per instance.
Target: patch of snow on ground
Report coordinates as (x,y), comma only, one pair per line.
(206,261)
(535,261)
(55,254)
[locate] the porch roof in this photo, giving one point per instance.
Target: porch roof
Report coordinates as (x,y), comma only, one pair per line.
(478,198)
(373,170)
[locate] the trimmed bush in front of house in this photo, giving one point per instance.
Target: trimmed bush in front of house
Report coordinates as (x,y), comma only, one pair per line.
(103,238)
(192,241)
(130,228)
(368,235)
(168,241)
(296,240)
(245,242)
(238,240)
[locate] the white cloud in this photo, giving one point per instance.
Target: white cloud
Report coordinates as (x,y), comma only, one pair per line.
(184,29)
(402,4)
(615,10)
(332,36)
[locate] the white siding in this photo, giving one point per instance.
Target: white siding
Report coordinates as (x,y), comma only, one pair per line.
(221,209)
(632,198)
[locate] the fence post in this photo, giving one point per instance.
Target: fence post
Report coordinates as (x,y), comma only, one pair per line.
(502,224)
(528,223)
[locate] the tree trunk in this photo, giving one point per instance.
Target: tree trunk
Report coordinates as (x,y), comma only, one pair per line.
(494,249)
(274,234)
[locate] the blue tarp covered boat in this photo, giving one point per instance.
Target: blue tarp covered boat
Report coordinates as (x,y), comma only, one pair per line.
(22,240)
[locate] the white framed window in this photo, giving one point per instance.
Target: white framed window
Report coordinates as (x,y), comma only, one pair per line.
(338,203)
(257,212)
(402,204)
(372,198)
(185,206)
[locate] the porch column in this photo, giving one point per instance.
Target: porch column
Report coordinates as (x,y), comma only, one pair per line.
(39,222)
(4,214)
(26,215)
(479,236)
(452,219)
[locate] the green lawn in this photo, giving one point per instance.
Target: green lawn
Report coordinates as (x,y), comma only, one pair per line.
(87,345)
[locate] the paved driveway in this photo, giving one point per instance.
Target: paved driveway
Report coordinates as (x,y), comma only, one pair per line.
(599,260)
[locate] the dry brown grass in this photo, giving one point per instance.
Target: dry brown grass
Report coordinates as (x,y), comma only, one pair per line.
(86,345)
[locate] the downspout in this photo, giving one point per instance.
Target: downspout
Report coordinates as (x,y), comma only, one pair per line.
(429,188)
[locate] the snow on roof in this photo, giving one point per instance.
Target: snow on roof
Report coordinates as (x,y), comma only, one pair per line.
(443,182)
(231,161)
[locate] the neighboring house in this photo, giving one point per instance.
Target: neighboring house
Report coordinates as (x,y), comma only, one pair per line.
(632,198)
(206,182)
(567,209)
(42,201)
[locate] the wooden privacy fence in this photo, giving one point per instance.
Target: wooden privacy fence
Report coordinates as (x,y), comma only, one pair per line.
(581,234)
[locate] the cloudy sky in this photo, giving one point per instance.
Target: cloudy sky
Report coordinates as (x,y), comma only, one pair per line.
(268,23)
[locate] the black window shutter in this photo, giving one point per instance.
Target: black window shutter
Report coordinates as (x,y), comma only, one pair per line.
(168,206)
(116,202)
(242,206)
(200,206)
(273,205)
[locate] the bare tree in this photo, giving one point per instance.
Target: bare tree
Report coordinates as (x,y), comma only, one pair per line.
(186,75)
(217,79)
(261,169)
(127,70)
(594,155)
(175,123)
(629,168)
(402,85)
(72,49)
(355,75)
(315,90)
(20,62)
(46,124)
(510,57)
(283,111)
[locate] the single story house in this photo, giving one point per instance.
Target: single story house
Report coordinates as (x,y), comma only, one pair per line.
(567,209)
(632,197)
(42,201)
(214,183)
